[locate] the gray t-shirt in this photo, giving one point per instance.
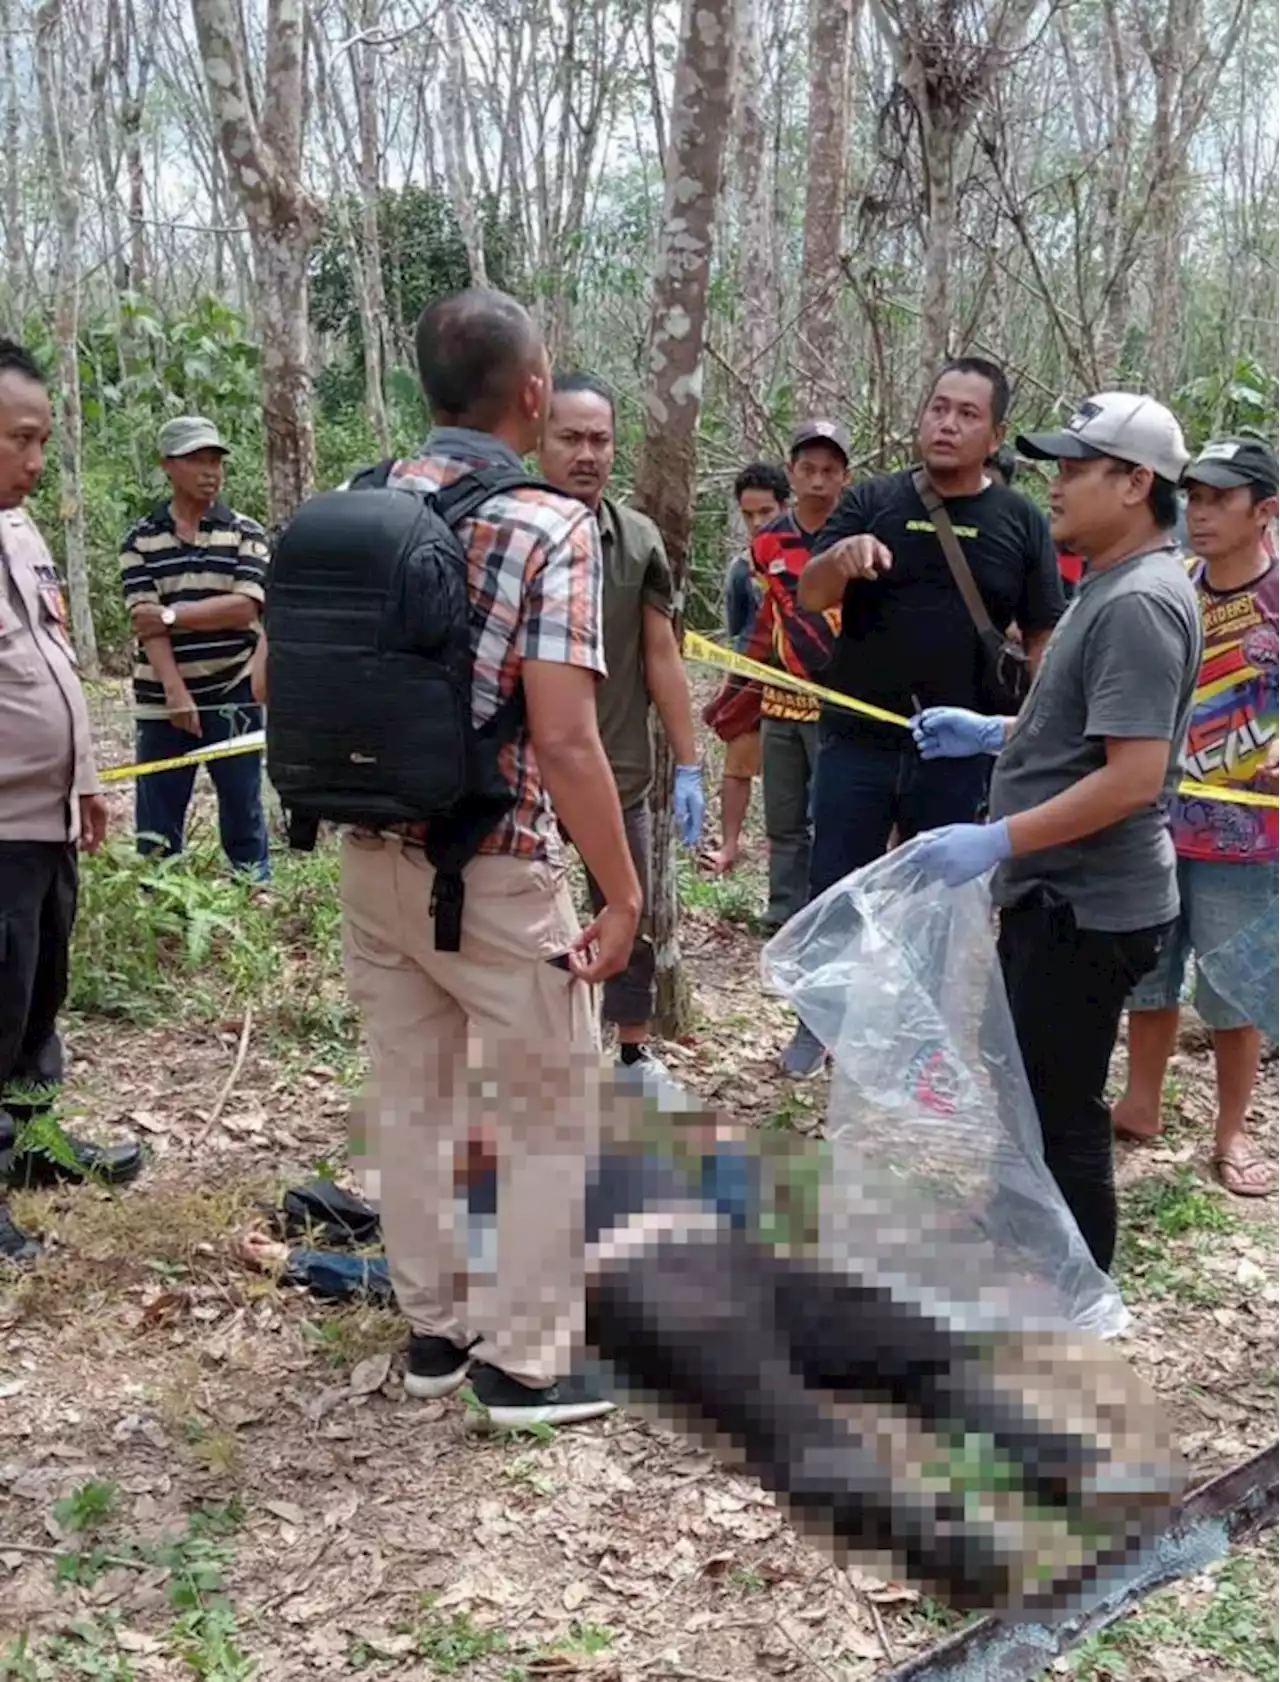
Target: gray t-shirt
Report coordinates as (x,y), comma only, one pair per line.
(1122,662)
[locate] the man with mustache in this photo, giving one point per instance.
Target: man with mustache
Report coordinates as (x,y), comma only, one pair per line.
(194,576)
(1085,868)
(644,667)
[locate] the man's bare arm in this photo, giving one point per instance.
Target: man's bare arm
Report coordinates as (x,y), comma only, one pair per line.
(668,684)
(823,580)
(1035,642)
(181,708)
(233,611)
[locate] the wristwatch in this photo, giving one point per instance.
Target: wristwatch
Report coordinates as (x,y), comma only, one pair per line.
(168,617)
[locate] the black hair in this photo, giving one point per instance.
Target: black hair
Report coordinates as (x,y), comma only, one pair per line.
(472,350)
(591,384)
(763,476)
(1162,500)
(15,360)
(994,375)
(1259,493)
(1005,463)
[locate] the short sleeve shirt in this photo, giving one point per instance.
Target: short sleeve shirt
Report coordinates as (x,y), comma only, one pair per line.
(533,579)
(1122,663)
(228,558)
(637,575)
(1233,723)
(906,637)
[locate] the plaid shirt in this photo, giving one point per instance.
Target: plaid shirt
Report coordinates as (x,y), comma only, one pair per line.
(534,577)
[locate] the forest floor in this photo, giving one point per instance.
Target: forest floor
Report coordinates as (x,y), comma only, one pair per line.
(205,1476)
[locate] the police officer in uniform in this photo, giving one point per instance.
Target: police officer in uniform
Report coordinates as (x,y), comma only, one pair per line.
(50,803)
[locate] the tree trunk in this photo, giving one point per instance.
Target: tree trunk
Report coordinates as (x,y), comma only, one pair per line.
(757,247)
(362,259)
(280,310)
(830,37)
(453,134)
(377,335)
(939,145)
(15,259)
(262,147)
(665,474)
(62,57)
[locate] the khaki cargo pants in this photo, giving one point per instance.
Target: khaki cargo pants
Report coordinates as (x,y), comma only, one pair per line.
(492,1038)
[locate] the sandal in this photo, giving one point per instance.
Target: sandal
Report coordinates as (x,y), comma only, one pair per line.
(1232,1173)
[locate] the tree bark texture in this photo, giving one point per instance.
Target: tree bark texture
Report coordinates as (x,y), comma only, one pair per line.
(757,256)
(63,54)
(15,257)
(830,38)
(453,134)
(263,153)
(665,474)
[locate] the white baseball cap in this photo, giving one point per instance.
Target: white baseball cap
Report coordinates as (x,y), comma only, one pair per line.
(1119,424)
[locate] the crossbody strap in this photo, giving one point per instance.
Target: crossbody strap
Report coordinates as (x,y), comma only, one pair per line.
(960,570)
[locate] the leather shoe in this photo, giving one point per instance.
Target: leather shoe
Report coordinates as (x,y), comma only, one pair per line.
(15,1245)
(110,1165)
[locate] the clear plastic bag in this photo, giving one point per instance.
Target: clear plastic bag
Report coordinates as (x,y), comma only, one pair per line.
(938,1185)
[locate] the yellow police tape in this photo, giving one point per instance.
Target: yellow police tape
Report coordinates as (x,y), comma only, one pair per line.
(252,742)
(705,652)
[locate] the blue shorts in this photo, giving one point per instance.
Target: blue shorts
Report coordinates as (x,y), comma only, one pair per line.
(1218,901)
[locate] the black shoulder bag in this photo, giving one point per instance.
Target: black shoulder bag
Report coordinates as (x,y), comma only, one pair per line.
(1010,668)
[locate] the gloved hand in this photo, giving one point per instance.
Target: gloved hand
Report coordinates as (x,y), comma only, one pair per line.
(958,852)
(691,803)
(956,733)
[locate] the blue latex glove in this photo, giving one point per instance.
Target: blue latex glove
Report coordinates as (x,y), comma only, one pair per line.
(958,852)
(956,733)
(691,803)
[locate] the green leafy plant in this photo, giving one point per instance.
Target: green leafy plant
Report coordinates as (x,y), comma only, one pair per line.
(87,1508)
(453,1644)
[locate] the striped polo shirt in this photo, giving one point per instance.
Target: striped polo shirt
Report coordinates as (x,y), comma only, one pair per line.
(228,558)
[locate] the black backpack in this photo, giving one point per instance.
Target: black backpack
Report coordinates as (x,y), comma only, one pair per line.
(369,673)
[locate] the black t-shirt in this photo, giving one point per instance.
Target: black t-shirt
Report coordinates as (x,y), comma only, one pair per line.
(907,635)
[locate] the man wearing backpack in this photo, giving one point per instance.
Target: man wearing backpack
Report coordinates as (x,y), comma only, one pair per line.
(645,668)
(498,1035)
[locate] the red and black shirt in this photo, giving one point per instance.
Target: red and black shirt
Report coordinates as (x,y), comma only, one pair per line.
(785,634)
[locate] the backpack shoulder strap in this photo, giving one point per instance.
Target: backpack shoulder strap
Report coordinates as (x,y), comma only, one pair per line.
(960,570)
(372,478)
(460,500)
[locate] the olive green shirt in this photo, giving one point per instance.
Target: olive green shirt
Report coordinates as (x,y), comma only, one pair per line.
(637,575)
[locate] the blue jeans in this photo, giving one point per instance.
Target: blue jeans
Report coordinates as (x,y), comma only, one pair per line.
(1219,902)
(862,789)
(161,800)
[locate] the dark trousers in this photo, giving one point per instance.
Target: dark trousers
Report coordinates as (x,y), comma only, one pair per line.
(863,789)
(38,886)
(629,997)
(788,751)
(1066,988)
(161,800)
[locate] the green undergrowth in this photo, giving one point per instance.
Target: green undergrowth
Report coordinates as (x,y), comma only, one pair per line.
(1227,1628)
(201,1639)
(1164,1223)
(189,940)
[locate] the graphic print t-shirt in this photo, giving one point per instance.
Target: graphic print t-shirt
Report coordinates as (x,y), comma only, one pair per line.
(784,634)
(1233,723)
